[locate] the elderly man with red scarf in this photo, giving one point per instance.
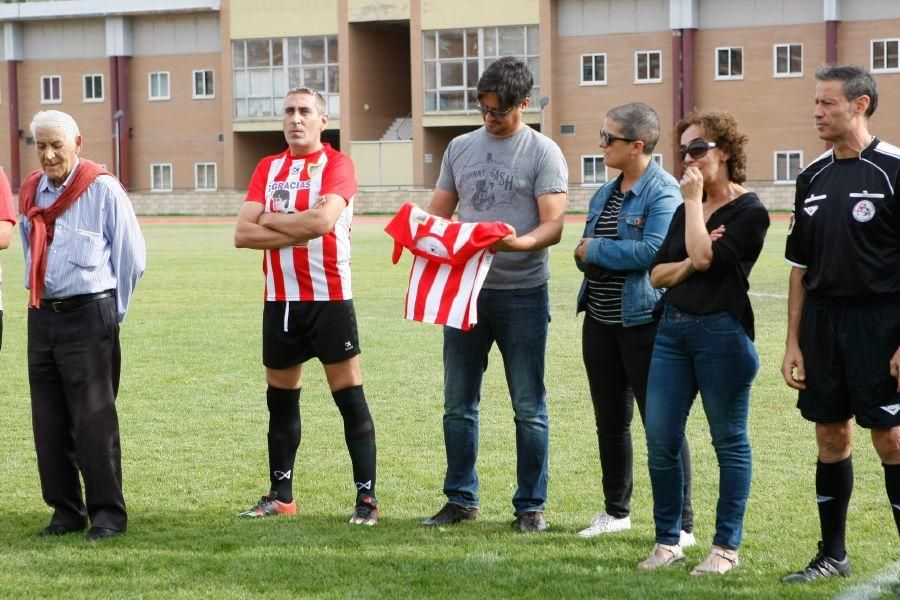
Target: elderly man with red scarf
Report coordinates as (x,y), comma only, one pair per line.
(84,254)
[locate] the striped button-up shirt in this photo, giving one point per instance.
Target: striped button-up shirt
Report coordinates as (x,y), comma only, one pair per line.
(97,243)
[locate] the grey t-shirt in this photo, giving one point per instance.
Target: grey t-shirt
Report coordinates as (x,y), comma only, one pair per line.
(499,179)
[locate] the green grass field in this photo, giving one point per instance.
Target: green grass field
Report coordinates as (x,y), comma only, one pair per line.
(193,420)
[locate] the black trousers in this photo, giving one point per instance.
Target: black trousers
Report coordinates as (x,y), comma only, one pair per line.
(617,361)
(74,362)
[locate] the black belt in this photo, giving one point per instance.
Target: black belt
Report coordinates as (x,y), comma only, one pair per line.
(66,304)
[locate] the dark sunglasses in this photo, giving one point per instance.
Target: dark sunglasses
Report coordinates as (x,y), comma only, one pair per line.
(697,148)
(497,114)
(608,138)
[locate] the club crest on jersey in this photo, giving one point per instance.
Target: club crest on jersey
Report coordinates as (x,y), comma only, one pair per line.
(313,170)
(863,211)
(419,216)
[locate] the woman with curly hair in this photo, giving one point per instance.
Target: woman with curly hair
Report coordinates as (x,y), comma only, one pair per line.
(705,337)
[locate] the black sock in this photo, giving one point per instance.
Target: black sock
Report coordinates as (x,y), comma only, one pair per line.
(892,483)
(834,485)
(359,433)
(284,439)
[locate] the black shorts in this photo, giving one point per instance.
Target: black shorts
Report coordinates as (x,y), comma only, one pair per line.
(294,332)
(847,346)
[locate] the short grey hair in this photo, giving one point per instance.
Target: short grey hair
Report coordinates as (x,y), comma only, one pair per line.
(638,122)
(55,119)
(321,104)
(855,82)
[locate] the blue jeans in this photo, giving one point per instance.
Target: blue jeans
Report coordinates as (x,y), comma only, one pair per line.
(712,354)
(517,320)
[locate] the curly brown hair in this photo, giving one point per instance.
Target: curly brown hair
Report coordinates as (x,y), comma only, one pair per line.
(721,127)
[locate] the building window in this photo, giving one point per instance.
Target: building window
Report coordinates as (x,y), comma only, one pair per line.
(51,89)
(567,130)
(788,165)
(657,158)
(161,177)
(159,86)
(203,84)
(93,88)
(205,176)
(884,56)
(593,69)
(593,171)
(788,60)
(647,67)
(265,69)
(455,58)
(730,63)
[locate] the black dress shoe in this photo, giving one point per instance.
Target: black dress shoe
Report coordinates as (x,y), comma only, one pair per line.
(99,533)
(451,514)
(57,530)
(531,522)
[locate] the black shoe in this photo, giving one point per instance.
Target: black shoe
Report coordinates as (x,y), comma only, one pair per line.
(820,567)
(100,533)
(531,522)
(58,530)
(452,514)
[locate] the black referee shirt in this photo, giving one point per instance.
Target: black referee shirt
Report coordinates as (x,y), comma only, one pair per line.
(845,229)
(724,285)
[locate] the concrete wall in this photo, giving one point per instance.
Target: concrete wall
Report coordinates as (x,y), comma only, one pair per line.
(276,18)
(447,14)
(385,200)
(378,10)
(599,17)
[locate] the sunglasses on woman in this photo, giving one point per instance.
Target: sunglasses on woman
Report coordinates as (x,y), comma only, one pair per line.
(697,148)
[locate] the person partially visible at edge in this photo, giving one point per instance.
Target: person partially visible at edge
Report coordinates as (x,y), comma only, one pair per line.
(842,352)
(504,171)
(7,222)
(84,254)
(628,218)
(705,338)
(298,211)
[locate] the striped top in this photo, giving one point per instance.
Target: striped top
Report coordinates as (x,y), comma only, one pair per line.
(318,270)
(604,291)
(97,243)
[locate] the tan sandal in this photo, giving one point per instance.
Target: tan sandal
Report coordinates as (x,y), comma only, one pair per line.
(718,561)
(663,555)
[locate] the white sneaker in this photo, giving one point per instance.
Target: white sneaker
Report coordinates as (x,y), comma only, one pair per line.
(605,523)
(687,539)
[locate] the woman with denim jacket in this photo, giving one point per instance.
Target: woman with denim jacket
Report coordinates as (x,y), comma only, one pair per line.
(705,339)
(627,221)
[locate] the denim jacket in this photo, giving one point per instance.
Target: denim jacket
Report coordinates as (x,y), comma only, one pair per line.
(647,209)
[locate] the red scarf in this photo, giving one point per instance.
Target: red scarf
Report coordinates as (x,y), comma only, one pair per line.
(43,219)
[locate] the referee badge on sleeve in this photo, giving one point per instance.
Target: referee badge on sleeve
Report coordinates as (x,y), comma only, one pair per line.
(864,211)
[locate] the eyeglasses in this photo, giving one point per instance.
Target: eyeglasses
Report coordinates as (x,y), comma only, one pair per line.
(497,114)
(697,148)
(607,138)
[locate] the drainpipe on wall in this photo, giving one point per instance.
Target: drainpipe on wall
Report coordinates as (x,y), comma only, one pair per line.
(124,122)
(677,86)
(831,47)
(12,78)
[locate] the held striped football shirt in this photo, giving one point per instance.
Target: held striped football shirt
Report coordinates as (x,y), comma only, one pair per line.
(604,291)
(320,268)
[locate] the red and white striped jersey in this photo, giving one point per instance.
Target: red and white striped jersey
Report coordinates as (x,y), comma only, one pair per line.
(451,261)
(319,269)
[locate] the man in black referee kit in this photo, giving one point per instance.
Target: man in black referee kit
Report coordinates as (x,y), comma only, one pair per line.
(843,339)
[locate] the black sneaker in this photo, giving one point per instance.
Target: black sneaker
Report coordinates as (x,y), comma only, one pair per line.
(820,567)
(451,514)
(366,512)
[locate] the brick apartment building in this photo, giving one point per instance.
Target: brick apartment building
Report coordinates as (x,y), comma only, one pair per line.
(182,97)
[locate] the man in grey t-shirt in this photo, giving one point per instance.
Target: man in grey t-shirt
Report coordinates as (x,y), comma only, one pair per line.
(504,171)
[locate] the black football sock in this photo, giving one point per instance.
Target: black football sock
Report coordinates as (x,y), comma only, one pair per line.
(284,439)
(892,483)
(359,433)
(834,485)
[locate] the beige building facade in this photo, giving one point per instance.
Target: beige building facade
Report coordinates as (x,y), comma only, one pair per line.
(182,98)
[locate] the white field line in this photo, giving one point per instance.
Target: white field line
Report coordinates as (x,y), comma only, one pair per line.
(765,295)
(883,582)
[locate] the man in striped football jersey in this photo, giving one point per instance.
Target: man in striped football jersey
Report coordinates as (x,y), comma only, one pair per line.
(298,211)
